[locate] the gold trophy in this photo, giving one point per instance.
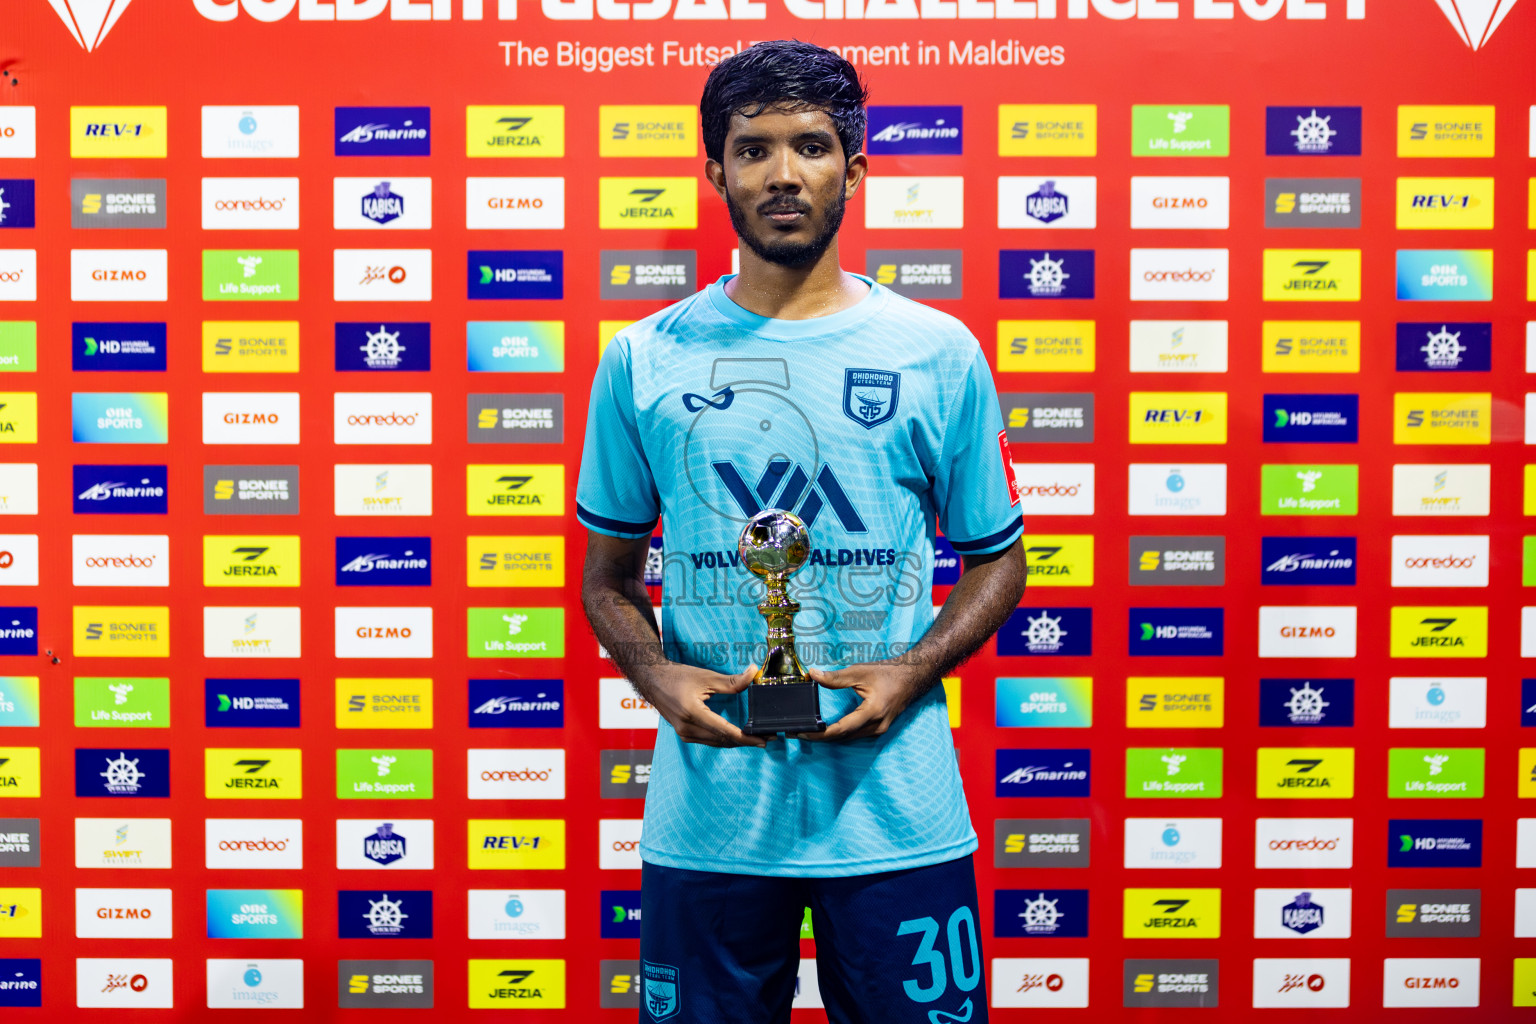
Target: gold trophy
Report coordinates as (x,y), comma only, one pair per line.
(782,697)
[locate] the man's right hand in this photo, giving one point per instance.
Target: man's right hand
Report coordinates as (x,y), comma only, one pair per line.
(680,693)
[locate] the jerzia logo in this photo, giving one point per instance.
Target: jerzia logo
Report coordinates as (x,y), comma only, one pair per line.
(89,21)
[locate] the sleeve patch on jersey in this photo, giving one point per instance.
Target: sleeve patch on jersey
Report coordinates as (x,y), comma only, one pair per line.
(1013,485)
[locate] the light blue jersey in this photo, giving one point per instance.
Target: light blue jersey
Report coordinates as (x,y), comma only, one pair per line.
(873,424)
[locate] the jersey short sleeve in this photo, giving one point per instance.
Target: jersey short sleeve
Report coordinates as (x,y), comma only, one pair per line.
(974,490)
(616,491)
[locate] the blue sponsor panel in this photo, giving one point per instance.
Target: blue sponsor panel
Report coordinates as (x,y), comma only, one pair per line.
(124,490)
(516,703)
(251,703)
(911,131)
(122,772)
(21,981)
(1527,703)
(946,563)
(383,561)
(18,205)
(1444,347)
(1306,703)
(112,345)
(1034,631)
(383,346)
(383,131)
(620,913)
(1307,561)
(516,274)
(1045,273)
(1311,419)
(1032,773)
(1176,632)
(18,630)
(1312,131)
(1435,843)
(377,914)
(1040,913)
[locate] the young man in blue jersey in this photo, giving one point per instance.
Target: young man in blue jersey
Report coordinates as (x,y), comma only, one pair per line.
(797,385)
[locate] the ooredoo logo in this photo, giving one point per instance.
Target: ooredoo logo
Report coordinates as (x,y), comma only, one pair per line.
(1304,843)
(1063,489)
(527,774)
(104,560)
(382,417)
(1440,561)
(618,843)
(235,204)
(254,843)
(1197,275)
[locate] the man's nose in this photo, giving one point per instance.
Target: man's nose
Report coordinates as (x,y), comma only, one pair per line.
(784,171)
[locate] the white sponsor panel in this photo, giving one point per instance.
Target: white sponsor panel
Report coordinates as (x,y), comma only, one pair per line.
(1178,346)
(247,632)
(1040,982)
(18,275)
(1525,913)
(512,204)
(1441,489)
(1173,842)
(1302,984)
(382,275)
(122,842)
(907,202)
(1300,631)
(1055,488)
(123,983)
(387,203)
(1431,981)
(18,559)
(1304,843)
(250,417)
(1530,346)
(256,984)
(246,132)
(383,417)
(1525,843)
(1047,202)
(807,987)
(383,632)
(618,843)
(1438,702)
(1178,489)
(122,913)
(517,774)
(18,132)
(121,560)
(374,844)
(1528,632)
(1439,561)
(620,707)
(1180,275)
(18,489)
(517,913)
(253,843)
(250,204)
(117,275)
(1302,913)
(1530,418)
(1177,203)
(379,489)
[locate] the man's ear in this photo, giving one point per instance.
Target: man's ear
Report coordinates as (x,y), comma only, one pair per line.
(714,173)
(854,174)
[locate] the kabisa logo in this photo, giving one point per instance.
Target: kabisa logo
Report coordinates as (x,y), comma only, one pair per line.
(1434,843)
(384,915)
(381,205)
(375,346)
(384,846)
(1046,204)
(1047,631)
(1048,913)
(1445,347)
(516,703)
(383,131)
(121,772)
(1176,631)
(1475,20)
(508,274)
(1315,419)
(1306,702)
(906,131)
(1312,131)
(251,703)
(1308,561)
(1041,274)
(1032,773)
(120,490)
(1302,915)
(383,561)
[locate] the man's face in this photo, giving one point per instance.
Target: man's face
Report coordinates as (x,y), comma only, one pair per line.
(786,182)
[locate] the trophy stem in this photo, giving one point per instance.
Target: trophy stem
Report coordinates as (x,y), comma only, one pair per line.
(782,697)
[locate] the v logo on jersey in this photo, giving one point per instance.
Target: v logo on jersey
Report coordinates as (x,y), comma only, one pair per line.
(825,491)
(89,21)
(1475,20)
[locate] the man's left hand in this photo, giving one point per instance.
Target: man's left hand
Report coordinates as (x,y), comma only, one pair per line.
(886,689)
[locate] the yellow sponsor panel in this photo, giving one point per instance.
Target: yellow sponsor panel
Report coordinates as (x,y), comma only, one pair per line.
(21,771)
(1172,914)
(1530,205)
(606,329)
(1530,275)
(1529,502)
(647,203)
(514,131)
(250,561)
(1047,129)
(1444,131)
(1178,417)
(516,561)
(520,489)
(1442,417)
(250,346)
(383,703)
(1311,346)
(1527,787)
(1449,203)
(1525,981)
(1181,702)
(517,844)
(1045,346)
(21,913)
(1059,560)
(18,417)
(1439,631)
(516,984)
(1306,773)
(264,773)
(117,132)
(952,699)
(662,130)
(1311,275)
(121,631)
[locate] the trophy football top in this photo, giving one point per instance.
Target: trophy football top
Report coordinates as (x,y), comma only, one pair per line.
(774,543)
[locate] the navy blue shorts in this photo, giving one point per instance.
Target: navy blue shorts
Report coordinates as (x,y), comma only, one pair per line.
(900,947)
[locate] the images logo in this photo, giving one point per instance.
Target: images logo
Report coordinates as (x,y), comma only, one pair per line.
(1312,131)
(905,131)
(1306,702)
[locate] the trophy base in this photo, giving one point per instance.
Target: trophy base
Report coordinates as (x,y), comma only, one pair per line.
(783,707)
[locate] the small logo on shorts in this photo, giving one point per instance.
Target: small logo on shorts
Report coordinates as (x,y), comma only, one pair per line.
(662,998)
(870,396)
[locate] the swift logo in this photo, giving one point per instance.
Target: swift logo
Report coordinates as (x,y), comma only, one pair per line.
(89,21)
(1474,20)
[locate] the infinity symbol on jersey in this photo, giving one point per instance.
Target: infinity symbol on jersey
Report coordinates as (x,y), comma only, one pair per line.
(696,403)
(945,1017)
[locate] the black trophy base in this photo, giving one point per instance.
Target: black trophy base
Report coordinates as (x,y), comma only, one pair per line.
(783,707)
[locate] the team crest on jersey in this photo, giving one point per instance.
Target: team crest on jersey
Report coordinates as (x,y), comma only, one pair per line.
(663,997)
(870,396)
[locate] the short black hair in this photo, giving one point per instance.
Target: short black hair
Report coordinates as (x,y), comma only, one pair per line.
(783,72)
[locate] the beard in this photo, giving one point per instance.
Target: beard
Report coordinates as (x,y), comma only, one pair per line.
(786,253)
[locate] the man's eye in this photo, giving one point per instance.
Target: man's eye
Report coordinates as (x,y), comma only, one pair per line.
(815,149)
(751,152)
